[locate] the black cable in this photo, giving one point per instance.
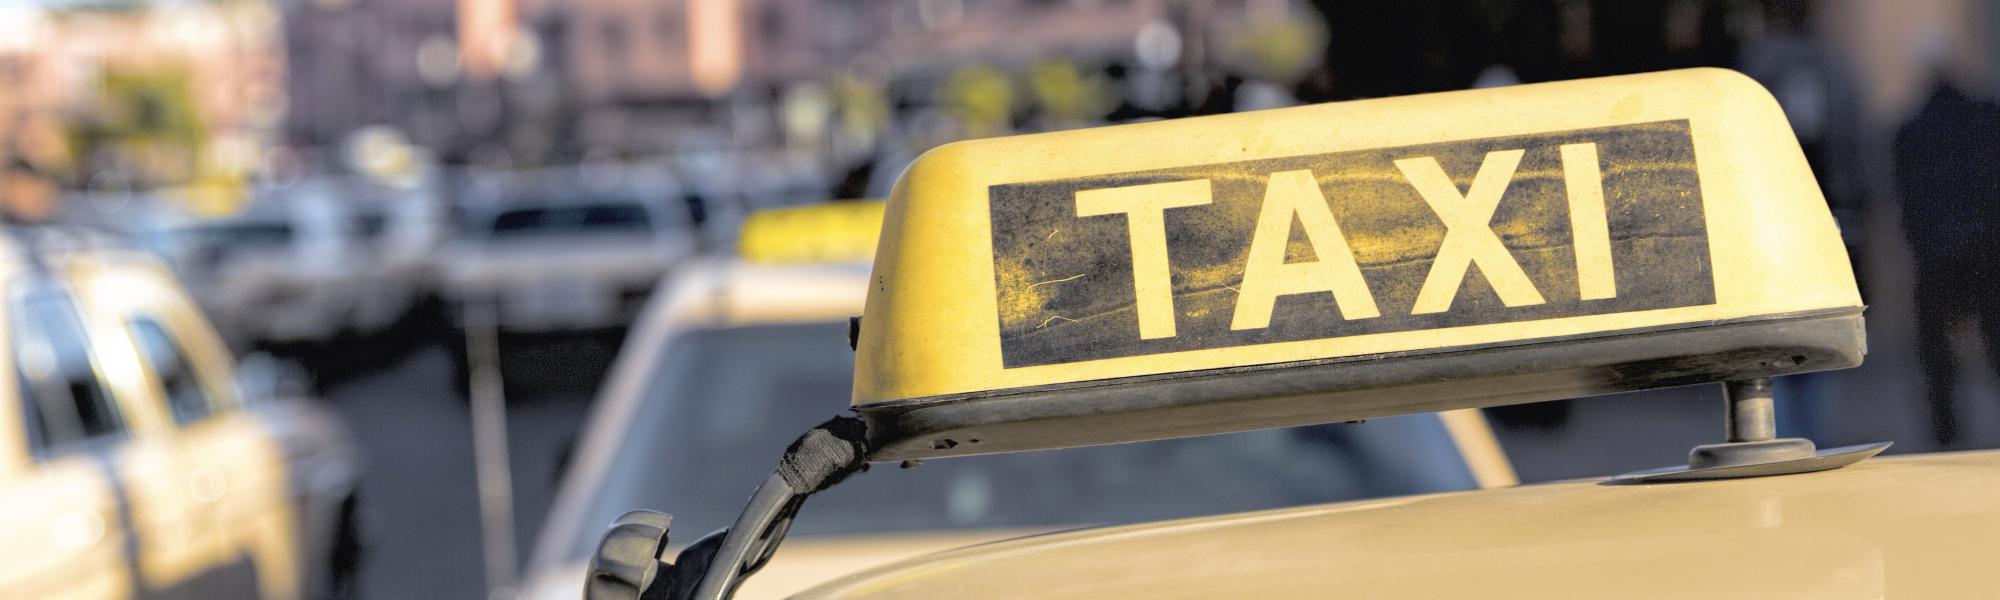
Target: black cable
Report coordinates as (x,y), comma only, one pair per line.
(820,459)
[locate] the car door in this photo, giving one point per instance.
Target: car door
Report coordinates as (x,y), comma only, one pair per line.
(69,533)
(235,468)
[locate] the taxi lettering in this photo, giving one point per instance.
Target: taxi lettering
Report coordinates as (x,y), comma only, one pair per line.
(1369,241)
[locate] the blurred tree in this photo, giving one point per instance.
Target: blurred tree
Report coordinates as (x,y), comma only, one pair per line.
(144,123)
(1279,51)
(864,110)
(981,98)
(1066,96)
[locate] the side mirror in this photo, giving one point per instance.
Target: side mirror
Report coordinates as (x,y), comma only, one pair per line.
(627,560)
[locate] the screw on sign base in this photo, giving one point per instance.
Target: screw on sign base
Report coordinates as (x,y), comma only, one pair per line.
(1753,448)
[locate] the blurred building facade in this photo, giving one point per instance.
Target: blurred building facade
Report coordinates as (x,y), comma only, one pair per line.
(645,77)
(550,81)
(132,96)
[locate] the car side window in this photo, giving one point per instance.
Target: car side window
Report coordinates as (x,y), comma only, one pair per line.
(68,401)
(186,398)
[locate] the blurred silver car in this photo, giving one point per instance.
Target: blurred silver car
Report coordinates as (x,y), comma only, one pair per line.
(285,269)
(397,232)
(547,258)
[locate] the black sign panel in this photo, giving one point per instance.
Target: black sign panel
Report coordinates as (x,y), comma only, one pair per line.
(1439,235)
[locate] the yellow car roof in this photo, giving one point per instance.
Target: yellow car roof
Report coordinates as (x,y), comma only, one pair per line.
(1899,527)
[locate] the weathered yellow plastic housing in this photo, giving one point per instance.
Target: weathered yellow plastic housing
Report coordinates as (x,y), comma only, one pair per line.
(1347,261)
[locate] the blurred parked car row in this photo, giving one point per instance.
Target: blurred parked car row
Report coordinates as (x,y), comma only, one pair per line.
(309,260)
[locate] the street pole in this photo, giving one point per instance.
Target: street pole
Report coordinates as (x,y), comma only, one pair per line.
(489,448)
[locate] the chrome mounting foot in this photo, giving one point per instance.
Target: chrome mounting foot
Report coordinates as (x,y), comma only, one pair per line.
(1754,448)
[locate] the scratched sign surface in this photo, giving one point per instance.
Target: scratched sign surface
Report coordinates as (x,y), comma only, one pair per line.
(1438,235)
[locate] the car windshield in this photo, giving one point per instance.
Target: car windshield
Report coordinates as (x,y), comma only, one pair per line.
(587,219)
(722,405)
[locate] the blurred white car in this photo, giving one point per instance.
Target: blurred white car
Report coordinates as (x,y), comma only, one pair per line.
(547,258)
(285,269)
(397,231)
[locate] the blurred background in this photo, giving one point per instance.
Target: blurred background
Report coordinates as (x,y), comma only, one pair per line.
(383,200)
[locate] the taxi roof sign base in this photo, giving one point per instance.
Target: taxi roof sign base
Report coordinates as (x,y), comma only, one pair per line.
(1821,460)
(1753,449)
(1243,399)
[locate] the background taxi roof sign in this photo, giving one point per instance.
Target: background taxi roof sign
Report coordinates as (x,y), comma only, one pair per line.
(832,232)
(1347,261)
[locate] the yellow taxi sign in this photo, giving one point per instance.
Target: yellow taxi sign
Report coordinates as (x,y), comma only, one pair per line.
(1435,246)
(1349,260)
(832,232)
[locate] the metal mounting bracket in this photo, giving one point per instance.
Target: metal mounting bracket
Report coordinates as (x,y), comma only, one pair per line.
(1753,448)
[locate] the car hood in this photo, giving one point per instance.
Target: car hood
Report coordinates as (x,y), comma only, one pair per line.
(1908,527)
(800,563)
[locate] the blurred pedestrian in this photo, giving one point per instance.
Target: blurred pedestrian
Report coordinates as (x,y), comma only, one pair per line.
(1947,174)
